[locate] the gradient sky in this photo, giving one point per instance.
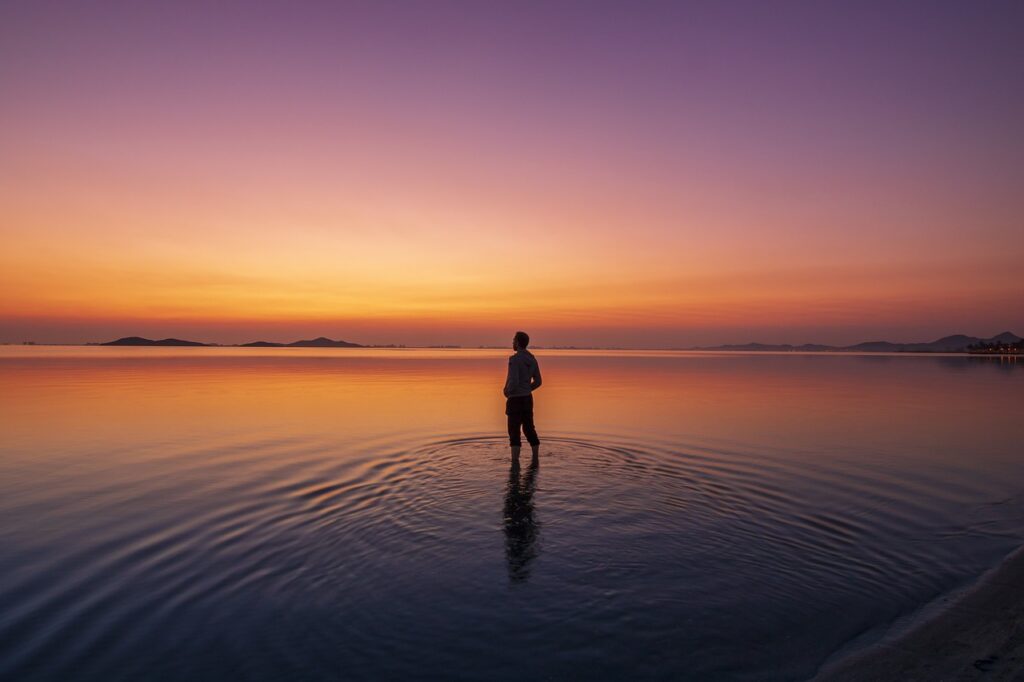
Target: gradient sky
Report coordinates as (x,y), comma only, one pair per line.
(637,174)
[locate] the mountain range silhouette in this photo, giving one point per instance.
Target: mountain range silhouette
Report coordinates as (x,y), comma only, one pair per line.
(319,342)
(957,343)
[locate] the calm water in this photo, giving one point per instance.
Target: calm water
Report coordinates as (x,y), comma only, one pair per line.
(283,514)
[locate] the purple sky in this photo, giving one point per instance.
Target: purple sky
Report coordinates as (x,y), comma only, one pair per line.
(679,172)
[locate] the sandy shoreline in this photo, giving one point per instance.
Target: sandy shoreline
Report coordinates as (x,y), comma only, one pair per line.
(980,636)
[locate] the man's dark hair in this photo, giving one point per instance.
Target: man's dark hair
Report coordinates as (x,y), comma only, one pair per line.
(522,339)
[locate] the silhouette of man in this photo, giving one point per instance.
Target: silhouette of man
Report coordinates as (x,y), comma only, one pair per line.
(523,379)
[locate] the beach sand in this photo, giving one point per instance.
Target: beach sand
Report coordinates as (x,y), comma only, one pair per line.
(980,636)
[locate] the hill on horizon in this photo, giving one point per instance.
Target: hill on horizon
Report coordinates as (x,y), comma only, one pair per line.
(140,341)
(318,342)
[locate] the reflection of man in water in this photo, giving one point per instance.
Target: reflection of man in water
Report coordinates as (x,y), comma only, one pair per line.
(523,379)
(520,526)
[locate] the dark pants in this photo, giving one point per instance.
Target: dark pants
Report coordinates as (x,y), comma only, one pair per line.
(520,415)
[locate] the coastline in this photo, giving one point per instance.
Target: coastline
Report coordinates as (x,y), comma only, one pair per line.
(979,635)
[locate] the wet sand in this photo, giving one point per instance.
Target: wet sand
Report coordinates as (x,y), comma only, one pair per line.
(980,636)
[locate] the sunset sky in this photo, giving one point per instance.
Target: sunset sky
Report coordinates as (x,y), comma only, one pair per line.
(636,174)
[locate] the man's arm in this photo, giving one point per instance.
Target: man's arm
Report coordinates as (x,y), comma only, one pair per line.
(510,380)
(535,377)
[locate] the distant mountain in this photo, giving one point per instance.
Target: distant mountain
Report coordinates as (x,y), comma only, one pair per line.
(139,341)
(957,343)
(1005,337)
(324,342)
(321,342)
(874,347)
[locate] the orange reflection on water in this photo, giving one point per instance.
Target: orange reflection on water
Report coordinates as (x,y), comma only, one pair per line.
(121,401)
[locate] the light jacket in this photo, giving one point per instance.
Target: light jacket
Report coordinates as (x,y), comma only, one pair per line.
(523,374)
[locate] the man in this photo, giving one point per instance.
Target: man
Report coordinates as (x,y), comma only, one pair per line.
(523,379)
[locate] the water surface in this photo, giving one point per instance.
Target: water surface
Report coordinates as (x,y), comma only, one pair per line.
(294,513)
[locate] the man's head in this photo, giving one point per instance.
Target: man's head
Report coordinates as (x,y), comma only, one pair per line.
(520,341)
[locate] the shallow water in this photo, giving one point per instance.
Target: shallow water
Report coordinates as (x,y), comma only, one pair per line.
(315,514)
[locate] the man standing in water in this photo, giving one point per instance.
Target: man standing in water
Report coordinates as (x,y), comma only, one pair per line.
(523,379)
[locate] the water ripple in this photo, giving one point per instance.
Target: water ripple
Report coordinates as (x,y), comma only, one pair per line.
(396,546)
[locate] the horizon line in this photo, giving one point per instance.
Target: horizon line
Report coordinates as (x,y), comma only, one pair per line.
(805,346)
